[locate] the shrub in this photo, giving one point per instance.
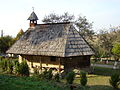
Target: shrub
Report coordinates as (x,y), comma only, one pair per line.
(15,62)
(4,65)
(70,77)
(1,57)
(24,69)
(17,68)
(46,74)
(36,71)
(83,78)
(10,66)
(49,74)
(115,80)
(57,77)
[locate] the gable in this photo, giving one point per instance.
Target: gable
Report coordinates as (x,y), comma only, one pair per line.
(76,45)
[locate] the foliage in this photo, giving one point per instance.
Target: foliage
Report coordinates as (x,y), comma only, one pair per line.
(70,77)
(46,74)
(1,57)
(57,77)
(17,68)
(85,28)
(105,71)
(49,74)
(116,49)
(22,68)
(115,80)
(104,41)
(20,33)
(10,66)
(83,78)
(8,82)
(54,18)
(4,65)
(36,71)
(15,62)
(5,43)
(103,45)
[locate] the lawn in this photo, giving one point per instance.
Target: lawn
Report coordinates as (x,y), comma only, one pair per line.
(8,82)
(100,79)
(97,81)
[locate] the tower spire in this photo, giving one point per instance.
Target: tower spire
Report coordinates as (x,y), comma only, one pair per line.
(33,19)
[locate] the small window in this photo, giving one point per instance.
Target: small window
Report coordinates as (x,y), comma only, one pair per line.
(53,59)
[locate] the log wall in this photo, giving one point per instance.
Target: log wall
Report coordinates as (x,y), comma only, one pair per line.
(67,63)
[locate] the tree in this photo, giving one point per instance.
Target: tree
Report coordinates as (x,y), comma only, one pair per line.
(105,42)
(116,50)
(22,68)
(5,43)
(54,18)
(70,77)
(115,81)
(20,33)
(85,28)
(83,78)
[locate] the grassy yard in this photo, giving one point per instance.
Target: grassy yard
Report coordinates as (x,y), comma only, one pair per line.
(8,82)
(100,79)
(97,81)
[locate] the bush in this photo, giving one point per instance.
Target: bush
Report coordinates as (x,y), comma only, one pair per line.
(46,74)
(115,80)
(17,68)
(4,65)
(10,66)
(22,68)
(15,62)
(49,74)
(83,78)
(70,77)
(57,77)
(43,75)
(1,57)
(36,71)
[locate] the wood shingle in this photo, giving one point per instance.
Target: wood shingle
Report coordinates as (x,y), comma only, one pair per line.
(59,39)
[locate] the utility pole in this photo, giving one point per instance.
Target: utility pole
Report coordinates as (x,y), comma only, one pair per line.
(1,33)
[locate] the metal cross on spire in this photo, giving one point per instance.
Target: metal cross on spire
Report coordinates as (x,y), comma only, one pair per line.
(33,9)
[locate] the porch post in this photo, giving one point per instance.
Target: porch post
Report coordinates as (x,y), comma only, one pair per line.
(40,64)
(59,65)
(20,58)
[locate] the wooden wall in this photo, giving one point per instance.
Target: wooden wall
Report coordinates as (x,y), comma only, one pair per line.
(67,63)
(77,62)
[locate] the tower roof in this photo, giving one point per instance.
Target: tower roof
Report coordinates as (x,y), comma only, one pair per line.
(33,16)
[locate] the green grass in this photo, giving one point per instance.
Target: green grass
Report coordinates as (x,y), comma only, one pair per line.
(105,71)
(99,80)
(8,82)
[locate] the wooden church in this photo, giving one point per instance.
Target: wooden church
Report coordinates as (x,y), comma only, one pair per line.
(53,45)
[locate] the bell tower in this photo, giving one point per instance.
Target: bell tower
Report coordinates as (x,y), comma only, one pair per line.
(33,19)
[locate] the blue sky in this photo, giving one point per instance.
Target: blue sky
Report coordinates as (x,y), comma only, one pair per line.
(14,13)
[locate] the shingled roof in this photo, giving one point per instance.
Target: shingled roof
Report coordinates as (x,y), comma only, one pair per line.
(58,39)
(33,16)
